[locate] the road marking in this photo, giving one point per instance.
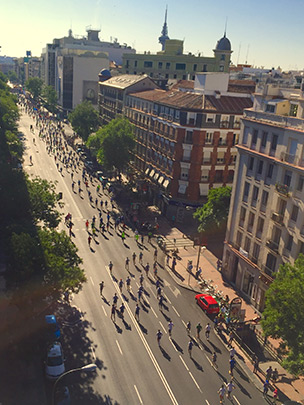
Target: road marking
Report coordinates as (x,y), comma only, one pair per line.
(136,390)
(173,307)
(163,327)
(119,348)
(173,345)
(92,280)
(154,312)
(175,291)
(236,400)
(105,312)
(150,353)
(194,380)
(184,323)
(93,353)
(209,360)
(137,284)
(153,293)
(207,402)
(165,295)
(184,363)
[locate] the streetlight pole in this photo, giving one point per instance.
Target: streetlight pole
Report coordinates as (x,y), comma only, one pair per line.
(88,367)
(199,254)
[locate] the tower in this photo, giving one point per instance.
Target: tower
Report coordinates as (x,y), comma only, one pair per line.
(164,33)
(222,53)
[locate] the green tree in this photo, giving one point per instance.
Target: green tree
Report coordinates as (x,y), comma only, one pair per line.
(283,316)
(113,144)
(34,85)
(84,119)
(213,215)
(15,147)
(43,199)
(50,95)
(12,76)
(8,110)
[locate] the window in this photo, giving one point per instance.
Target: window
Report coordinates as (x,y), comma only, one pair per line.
(239,237)
(270,171)
(160,65)
(207,157)
(174,76)
(184,77)
(223,57)
(188,137)
(300,183)
(260,167)
(210,118)
(167,76)
(148,64)
(135,63)
(274,144)
(168,65)
(180,66)
(270,108)
(264,141)
(209,137)
(127,63)
(246,191)
(294,213)
(186,155)
(270,263)
(264,201)
(256,251)
(194,67)
(245,135)
(220,157)
(254,138)
(184,173)
(293,110)
(255,194)
(242,216)
(250,222)
(287,178)
(251,163)
(289,243)
(204,68)
(205,175)
(260,227)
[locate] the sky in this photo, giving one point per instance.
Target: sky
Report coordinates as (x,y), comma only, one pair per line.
(264,33)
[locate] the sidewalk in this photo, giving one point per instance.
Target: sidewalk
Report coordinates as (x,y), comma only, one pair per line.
(287,385)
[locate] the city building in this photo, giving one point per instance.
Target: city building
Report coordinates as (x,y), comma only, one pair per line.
(71,65)
(185,140)
(6,64)
(266,218)
(172,63)
(113,92)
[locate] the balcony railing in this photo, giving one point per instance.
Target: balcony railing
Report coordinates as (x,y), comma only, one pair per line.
(268,270)
(286,157)
(274,246)
(283,189)
(278,218)
(279,120)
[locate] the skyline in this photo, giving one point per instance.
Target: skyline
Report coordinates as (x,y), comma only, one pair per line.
(254,28)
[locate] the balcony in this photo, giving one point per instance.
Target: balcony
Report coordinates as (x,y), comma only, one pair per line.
(274,246)
(283,189)
(268,271)
(224,124)
(286,157)
(278,218)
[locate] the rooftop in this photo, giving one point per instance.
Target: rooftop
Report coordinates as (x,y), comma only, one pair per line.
(124,81)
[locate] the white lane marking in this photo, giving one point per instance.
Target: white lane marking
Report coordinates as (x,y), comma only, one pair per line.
(184,323)
(150,353)
(137,284)
(194,380)
(163,327)
(184,363)
(175,291)
(173,307)
(136,390)
(105,312)
(119,348)
(209,360)
(154,312)
(165,295)
(236,400)
(92,280)
(93,353)
(153,294)
(173,345)
(207,402)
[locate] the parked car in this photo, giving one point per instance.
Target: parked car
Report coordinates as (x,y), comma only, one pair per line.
(207,303)
(54,366)
(89,165)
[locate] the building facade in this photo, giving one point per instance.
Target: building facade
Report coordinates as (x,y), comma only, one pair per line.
(266,219)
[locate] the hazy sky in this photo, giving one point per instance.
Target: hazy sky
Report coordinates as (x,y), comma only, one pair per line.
(270,32)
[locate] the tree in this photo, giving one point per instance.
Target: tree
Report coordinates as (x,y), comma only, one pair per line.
(12,76)
(114,144)
(34,86)
(43,199)
(283,316)
(213,215)
(50,95)
(84,119)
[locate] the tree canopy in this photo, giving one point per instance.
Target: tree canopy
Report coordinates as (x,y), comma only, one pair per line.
(113,144)
(213,215)
(12,76)
(34,85)
(50,96)
(84,119)
(283,316)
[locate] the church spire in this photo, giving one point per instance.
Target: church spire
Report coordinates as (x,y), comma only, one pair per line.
(164,33)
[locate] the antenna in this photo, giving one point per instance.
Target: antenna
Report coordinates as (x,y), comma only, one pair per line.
(226,26)
(247,54)
(239,54)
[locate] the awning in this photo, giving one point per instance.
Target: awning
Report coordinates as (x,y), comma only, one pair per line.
(156,176)
(147,170)
(161,179)
(166,183)
(152,173)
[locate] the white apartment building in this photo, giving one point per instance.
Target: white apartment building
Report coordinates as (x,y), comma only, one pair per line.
(266,218)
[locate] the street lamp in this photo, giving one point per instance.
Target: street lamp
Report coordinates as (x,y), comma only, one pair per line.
(88,367)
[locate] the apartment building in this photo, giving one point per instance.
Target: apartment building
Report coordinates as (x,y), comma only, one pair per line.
(266,218)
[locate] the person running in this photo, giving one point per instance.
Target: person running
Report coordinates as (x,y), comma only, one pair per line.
(31,160)
(207,330)
(123,236)
(158,336)
(89,240)
(170,327)
(159,292)
(147,268)
(198,330)
(122,310)
(155,255)
(232,352)
(230,386)
(137,310)
(141,280)
(190,346)
(188,327)
(231,366)
(222,392)
(110,267)
(141,257)
(155,270)
(160,302)
(113,312)
(134,258)
(127,263)
(265,387)
(101,286)
(139,293)
(214,358)
(128,283)
(120,285)
(115,299)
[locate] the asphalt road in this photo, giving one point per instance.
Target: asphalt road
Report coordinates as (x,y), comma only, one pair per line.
(132,369)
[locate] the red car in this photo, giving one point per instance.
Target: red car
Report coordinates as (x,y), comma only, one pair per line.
(207,303)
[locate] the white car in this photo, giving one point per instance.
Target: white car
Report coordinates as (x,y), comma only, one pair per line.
(55,361)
